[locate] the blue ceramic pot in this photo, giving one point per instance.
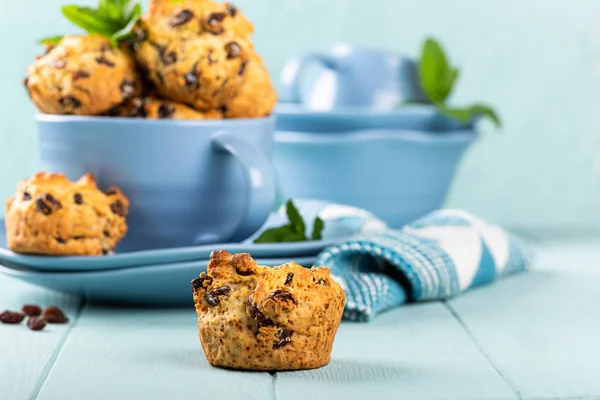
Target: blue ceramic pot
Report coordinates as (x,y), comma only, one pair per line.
(399,174)
(189,182)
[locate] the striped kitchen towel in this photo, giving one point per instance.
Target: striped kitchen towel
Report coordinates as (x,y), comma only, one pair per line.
(437,257)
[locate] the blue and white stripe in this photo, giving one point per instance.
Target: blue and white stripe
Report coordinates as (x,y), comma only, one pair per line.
(436,257)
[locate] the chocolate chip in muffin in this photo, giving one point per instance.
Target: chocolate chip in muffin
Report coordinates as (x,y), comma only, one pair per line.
(182,17)
(244,264)
(111,191)
(233,50)
(202,282)
(231,9)
(139,35)
(46,203)
(282,295)
(70,102)
(288,279)
(213,297)
(118,208)
(11,317)
(138,109)
(210,58)
(214,23)
(26,196)
(80,75)
(191,78)
(58,64)
(78,198)
(167,57)
(160,78)
(127,88)
(284,337)
(105,61)
(106,234)
(258,317)
(321,282)
(36,323)
(54,315)
(61,240)
(166,111)
(242,68)
(32,310)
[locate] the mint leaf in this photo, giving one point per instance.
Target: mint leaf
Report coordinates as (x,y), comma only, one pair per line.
(317,233)
(436,73)
(124,32)
(111,9)
(466,115)
(50,40)
(89,19)
(296,220)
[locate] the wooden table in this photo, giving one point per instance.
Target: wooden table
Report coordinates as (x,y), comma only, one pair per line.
(532,336)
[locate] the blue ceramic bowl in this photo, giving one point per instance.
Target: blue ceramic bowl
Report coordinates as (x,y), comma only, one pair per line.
(398,173)
(189,182)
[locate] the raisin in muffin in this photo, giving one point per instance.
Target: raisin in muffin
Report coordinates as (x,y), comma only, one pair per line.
(256,96)
(51,215)
(154,108)
(82,75)
(194,51)
(261,318)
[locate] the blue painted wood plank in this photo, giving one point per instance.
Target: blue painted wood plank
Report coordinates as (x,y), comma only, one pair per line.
(144,354)
(541,329)
(26,356)
(415,352)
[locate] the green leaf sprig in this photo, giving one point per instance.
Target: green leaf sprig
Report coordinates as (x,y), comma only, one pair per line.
(438,78)
(295,231)
(114,19)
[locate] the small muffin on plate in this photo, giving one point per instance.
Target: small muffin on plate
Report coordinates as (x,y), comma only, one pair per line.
(82,75)
(256,96)
(261,318)
(155,108)
(194,51)
(50,215)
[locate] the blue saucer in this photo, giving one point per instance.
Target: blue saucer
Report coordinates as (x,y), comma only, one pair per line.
(155,285)
(341,222)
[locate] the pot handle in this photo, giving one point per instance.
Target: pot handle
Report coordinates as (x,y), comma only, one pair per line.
(291,75)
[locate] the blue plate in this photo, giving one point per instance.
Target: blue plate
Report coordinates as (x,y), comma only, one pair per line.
(156,285)
(341,223)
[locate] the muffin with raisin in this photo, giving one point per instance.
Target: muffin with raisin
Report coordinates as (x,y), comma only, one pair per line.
(51,215)
(154,108)
(82,75)
(194,51)
(261,318)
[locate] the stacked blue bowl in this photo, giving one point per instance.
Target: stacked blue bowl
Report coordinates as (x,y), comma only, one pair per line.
(361,133)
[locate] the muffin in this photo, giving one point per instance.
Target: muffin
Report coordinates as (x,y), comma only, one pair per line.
(82,75)
(154,108)
(51,215)
(260,318)
(195,51)
(256,96)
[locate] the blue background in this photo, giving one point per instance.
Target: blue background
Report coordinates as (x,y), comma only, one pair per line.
(537,61)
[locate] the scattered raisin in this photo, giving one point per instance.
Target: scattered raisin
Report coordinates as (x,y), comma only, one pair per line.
(289,278)
(106,234)
(54,315)
(282,295)
(191,78)
(284,337)
(322,282)
(111,191)
(46,203)
(43,207)
(242,68)
(26,196)
(167,57)
(214,23)
(70,102)
(118,208)
(210,58)
(32,310)
(11,317)
(233,49)
(78,237)
(224,109)
(61,240)
(138,109)
(139,35)
(203,281)
(58,64)
(260,319)
(52,200)
(243,272)
(80,75)
(105,61)
(166,111)
(36,323)
(78,198)
(181,18)
(127,88)
(213,297)
(231,9)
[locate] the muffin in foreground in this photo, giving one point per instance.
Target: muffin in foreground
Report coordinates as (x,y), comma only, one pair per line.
(82,75)
(261,318)
(50,215)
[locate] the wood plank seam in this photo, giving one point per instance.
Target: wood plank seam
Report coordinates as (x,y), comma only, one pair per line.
(507,380)
(52,361)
